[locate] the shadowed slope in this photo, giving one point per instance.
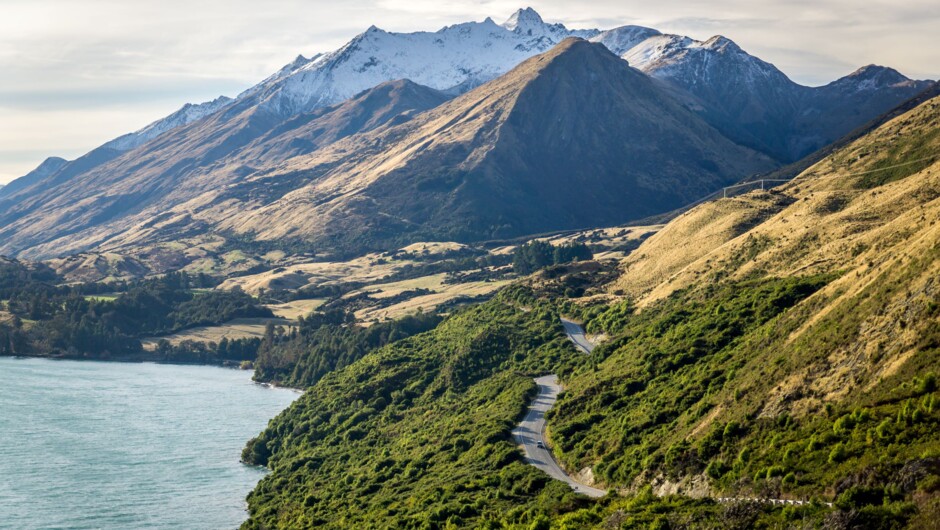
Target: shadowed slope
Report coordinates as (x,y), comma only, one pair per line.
(571,138)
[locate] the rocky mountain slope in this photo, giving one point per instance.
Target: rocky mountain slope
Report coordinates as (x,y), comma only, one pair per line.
(202,148)
(492,163)
(78,210)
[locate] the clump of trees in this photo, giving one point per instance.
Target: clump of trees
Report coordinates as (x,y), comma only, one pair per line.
(46,317)
(327,341)
(188,351)
(536,255)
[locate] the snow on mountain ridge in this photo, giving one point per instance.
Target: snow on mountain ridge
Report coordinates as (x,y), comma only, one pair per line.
(527,22)
(454,58)
(523,19)
(187,114)
(460,57)
(717,61)
(870,78)
(621,40)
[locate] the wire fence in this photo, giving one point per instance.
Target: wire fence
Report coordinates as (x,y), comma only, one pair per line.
(772,183)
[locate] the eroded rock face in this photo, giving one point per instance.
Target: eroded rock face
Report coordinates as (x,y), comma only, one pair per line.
(695,486)
(585,476)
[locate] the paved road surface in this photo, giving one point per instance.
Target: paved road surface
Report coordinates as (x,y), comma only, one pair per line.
(576,334)
(532,429)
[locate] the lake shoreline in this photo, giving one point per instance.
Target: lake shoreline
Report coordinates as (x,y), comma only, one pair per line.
(117,445)
(231,365)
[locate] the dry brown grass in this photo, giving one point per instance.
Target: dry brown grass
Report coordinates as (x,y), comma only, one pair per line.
(443,293)
(368,269)
(433,248)
(434,282)
(240,328)
(296,309)
(818,223)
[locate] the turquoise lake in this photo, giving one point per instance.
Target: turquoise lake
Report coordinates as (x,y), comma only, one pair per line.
(93,445)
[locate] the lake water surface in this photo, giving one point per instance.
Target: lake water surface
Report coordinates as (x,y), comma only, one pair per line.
(91,445)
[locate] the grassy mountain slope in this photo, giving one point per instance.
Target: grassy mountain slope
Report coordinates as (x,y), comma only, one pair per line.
(794,354)
(495,163)
(829,394)
(130,197)
(824,220)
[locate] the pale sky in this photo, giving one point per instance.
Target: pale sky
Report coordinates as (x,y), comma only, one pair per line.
(77,73)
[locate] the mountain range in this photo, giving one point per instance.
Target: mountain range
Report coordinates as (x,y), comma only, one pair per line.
(327,149)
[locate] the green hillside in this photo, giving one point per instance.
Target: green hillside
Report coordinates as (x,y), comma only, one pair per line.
(789,355)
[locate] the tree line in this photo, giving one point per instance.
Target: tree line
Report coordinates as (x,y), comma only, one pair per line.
(537,254)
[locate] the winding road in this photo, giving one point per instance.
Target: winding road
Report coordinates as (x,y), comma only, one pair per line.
(576,333)
(531,430)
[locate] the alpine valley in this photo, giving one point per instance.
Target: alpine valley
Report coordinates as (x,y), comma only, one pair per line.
(413,226)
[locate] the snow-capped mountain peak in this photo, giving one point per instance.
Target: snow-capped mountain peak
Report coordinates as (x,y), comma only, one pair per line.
(298,61)
(187,114)
(657,51)
(721,44)
(621,40)
(524,20)
(872,77)
(454,59)
(689,61)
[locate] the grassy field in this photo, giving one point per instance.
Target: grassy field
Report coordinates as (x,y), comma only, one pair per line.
(443,293)
(101,297)
(240,328)
(367,269)
(296,309)
(433,282)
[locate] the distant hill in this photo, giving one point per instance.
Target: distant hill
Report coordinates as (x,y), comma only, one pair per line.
(72,210)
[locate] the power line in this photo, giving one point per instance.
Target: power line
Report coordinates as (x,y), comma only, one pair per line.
(805,176)
(908,163)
